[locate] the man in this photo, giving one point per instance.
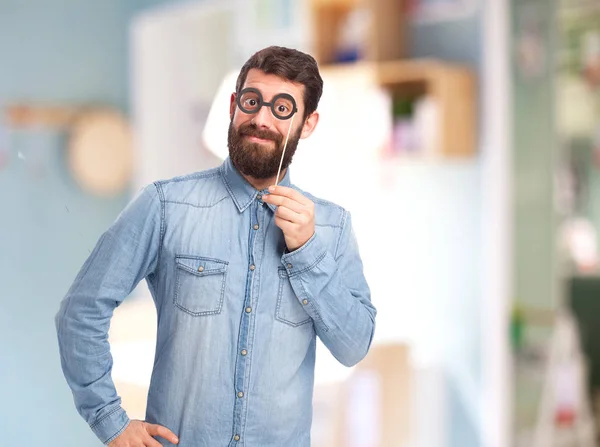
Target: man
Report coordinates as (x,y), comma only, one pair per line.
(244,276)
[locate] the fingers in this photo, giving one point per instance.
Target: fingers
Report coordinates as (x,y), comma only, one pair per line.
(163,432)
(285,225)
(287,214)
(277,200)
(290,193)
(151,442)
(140,434)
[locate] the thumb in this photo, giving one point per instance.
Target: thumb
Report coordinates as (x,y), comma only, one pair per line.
(163,432)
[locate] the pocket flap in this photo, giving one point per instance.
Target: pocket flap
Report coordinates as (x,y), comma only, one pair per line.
(201,266)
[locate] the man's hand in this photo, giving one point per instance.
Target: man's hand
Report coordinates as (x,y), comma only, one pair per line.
(139,434)
(295,215)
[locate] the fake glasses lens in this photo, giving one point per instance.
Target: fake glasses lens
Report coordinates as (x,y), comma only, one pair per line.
(282,106)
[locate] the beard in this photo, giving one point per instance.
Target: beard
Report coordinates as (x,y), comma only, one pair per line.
(260,160)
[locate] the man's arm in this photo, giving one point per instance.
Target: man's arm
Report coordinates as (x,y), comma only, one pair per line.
(333,290)
(331,286)
(125,254)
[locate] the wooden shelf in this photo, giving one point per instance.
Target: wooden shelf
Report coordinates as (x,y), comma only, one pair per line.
(383,61)
(386,39)
(453,88)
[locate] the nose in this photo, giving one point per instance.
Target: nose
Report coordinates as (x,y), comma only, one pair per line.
(263,118)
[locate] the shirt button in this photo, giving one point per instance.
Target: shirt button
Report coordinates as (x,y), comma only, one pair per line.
(289,266)
(244,352)
(259,197)
(200,269)
(248,310)
(252,267)
(240,394)
(236,438)
(305,302)
(256,227)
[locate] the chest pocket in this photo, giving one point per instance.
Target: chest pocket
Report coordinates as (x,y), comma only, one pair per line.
(200,284)
(289,310)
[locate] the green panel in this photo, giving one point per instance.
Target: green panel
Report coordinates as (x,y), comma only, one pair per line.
(534,146)
(535,218)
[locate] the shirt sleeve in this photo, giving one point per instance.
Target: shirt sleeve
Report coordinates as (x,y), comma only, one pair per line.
(125,254)
(334,292)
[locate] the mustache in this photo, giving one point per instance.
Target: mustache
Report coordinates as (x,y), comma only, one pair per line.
(251,130)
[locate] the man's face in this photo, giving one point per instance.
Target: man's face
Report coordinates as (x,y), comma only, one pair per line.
(256,140)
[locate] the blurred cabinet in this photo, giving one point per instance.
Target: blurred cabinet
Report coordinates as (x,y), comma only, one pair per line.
(371,34)
(383,25)
(451,87)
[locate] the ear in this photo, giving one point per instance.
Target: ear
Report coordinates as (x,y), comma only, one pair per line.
(309,125)
(232,106)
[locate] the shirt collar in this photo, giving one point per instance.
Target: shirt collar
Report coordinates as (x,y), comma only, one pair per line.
(242,192)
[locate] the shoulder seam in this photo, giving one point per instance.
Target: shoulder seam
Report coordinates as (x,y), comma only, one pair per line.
(161,198)
(214,172)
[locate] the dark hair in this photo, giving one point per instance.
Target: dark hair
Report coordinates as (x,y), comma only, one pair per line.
(289,64)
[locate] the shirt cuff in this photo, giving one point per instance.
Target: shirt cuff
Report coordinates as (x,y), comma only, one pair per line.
(305,257)
(111,425)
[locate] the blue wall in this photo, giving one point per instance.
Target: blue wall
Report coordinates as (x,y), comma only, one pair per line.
(60,51)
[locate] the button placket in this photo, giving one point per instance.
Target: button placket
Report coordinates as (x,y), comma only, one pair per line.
(247,321)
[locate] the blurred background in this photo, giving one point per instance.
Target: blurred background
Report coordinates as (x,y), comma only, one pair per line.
(463,135)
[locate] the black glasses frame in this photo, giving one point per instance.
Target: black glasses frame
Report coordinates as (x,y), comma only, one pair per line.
(262,103)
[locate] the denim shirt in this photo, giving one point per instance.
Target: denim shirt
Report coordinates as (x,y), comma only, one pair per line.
(238,314)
